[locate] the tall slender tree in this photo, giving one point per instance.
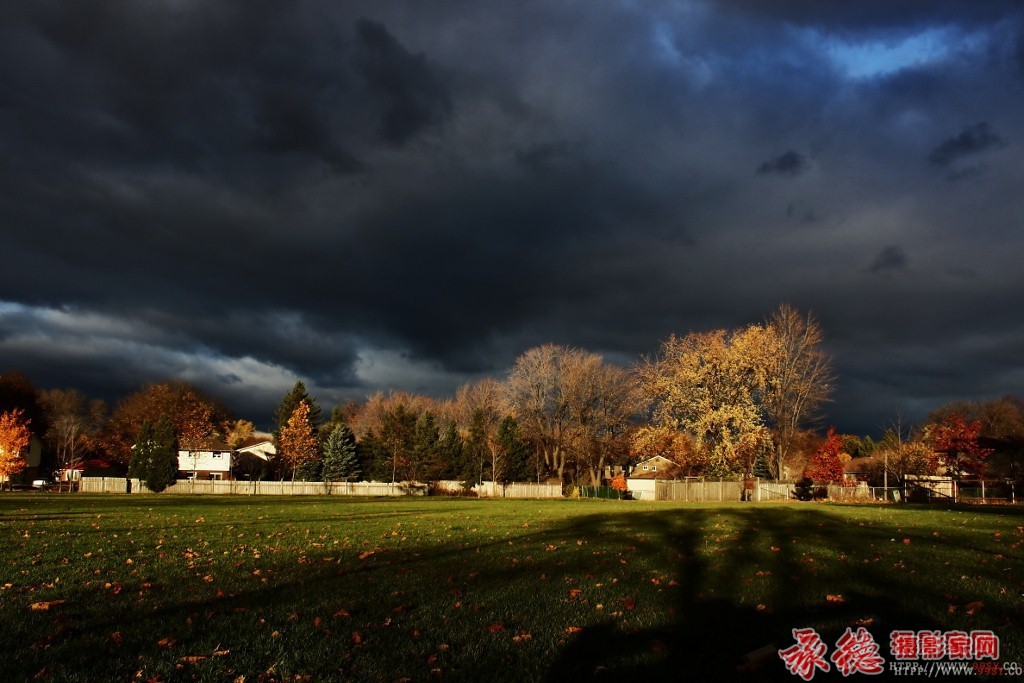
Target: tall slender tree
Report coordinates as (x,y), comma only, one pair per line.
(297,441)
(162,470)
(799,381)
(142,452)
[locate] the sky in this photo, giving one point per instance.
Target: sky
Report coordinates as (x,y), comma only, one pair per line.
(408,195)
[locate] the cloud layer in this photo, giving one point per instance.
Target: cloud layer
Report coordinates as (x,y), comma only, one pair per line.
(411,194)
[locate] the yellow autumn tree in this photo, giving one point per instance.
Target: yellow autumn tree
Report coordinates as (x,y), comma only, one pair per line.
(708,385)
(14,437)
(297,440)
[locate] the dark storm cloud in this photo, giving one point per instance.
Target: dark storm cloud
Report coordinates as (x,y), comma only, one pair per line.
(973,140)
(790,164)
(414,97)
(890,258)
(242,193)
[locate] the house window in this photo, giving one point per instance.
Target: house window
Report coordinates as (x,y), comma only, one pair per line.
(654,468)
(215,476)
(645,468)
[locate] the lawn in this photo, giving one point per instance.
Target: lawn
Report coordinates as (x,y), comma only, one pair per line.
(166,587)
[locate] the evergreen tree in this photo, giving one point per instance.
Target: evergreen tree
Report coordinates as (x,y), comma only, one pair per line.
(425,440)
(163,461)
(762,467)
(138,466)
(476,451)
(309,470)
(374,459)
(341,462)
(516,452)
(451,458)
(290,401)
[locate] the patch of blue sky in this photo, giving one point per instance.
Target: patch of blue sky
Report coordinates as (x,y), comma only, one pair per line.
(872,58)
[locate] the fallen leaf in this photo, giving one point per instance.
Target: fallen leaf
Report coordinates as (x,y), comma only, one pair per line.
(117,637)
(357,637)
(166,643)
(974,607)
(342,613)
(192,659)
(835,599)
(44,606)
(629,603)
(573,629)
(494,628)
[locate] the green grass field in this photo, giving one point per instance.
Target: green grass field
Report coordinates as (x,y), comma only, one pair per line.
(98,588)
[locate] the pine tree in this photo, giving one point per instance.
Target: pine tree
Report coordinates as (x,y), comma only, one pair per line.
(290,401)
(142,452)
(762,467)
(516,451)
(425,439)
(475,449)
(162,470)
(450,452)
(310,469)
(340,460)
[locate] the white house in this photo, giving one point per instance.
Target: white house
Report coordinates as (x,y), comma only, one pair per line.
(218,461)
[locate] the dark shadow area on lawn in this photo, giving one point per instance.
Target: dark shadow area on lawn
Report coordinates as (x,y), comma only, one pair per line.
(711,634)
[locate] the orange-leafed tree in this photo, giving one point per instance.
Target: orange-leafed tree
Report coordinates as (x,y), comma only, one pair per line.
(196,417)
(297,439)
(14,436)
(826,465)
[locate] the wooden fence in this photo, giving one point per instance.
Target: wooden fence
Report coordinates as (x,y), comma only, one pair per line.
(316,488)
(493,489)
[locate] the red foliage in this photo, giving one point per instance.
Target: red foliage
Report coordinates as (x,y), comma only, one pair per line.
(957,440)
(619,483)
(825,465)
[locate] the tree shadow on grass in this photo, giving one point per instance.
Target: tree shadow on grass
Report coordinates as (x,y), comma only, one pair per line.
(724,638)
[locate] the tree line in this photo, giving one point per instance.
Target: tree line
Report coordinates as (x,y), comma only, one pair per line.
(730,402)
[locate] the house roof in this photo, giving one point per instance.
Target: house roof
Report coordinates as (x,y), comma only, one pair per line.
(661,468)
